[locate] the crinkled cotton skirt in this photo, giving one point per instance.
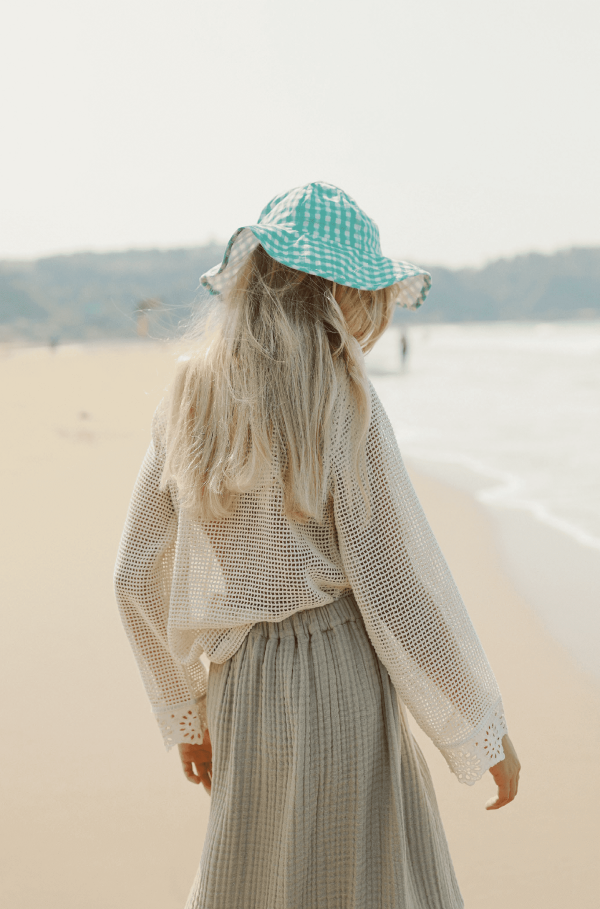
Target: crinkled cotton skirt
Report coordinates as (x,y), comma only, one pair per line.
(321,798)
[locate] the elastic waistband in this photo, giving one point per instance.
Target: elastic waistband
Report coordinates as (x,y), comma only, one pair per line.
(309,621)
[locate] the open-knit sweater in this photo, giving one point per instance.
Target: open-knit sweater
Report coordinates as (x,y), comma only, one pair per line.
(186,587)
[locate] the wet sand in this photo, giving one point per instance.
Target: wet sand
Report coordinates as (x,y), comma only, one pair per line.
(95,813)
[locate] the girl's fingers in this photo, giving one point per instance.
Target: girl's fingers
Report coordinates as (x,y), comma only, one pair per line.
(204,773)
(506,793)
(206,778)
(196,762)
(514,786)
(188,770)
(201,767)
(496,801)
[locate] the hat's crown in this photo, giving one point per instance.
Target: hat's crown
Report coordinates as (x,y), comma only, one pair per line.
(320,230)
(324,213)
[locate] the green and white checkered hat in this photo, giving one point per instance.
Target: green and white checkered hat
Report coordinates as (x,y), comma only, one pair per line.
(320,230)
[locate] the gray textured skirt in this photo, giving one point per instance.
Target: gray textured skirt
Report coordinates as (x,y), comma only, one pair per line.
(321,797)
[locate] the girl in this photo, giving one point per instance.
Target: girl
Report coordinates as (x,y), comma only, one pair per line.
(273,528)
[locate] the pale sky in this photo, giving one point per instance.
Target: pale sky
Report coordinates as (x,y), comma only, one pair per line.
(468,129)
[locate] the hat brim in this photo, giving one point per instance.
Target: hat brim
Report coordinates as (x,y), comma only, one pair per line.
(335,262)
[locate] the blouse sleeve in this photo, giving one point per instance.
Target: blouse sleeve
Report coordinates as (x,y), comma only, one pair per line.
(142,583)
(413,612)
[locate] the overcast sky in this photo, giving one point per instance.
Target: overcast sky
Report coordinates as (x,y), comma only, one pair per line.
(468,129)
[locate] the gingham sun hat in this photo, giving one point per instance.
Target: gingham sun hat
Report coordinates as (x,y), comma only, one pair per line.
(320,230)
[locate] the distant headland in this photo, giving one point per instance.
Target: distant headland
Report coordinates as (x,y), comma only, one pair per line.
(152,293)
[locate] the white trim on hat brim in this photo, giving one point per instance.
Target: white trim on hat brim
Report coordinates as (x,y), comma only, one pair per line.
(356,271)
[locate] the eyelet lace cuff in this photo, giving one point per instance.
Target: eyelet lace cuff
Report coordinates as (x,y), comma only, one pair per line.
(470,760)
(185,723)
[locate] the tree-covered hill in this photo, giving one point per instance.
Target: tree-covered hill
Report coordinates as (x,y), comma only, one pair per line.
(565,285)
(97,295)
(119,295)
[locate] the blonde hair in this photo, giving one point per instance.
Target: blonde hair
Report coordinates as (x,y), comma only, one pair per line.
(260,384)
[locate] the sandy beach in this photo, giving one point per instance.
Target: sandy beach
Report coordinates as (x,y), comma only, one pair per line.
(96,815)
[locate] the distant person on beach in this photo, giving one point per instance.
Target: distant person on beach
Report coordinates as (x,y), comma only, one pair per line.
(403,349)
(274,529)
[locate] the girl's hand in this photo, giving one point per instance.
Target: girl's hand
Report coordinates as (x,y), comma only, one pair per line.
(200,758)
(506,776)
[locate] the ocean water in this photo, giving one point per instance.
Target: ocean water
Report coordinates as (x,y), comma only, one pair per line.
(516,404)
(511,413)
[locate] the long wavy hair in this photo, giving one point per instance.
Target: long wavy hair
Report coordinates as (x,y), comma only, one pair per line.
(260,384)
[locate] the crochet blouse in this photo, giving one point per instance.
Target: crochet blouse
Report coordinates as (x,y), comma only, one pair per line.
(186,587)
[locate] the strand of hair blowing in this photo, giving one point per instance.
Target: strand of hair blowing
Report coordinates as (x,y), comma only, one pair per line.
(253,402)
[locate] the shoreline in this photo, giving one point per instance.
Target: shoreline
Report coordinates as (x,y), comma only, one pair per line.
(556,574)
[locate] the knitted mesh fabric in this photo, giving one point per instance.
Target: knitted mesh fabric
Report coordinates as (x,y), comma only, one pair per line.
(185,587)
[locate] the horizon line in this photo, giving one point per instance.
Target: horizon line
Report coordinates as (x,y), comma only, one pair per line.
(211,242)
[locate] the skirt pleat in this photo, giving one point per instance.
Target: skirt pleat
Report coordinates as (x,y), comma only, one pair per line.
(321,797)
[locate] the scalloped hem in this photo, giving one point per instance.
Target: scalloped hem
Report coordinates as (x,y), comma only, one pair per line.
(470,760)
(183,724)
